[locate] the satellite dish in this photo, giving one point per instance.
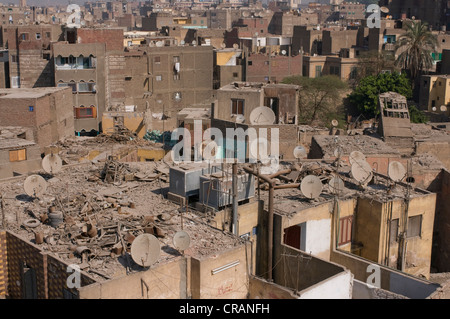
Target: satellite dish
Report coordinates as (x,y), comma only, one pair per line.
(240,118)
(145,250)
(396,171)
(259,149)
(52,163)
(182,42)
(262,115)
(434,109)
(300,152)
(194,42)
(362,172)
(283,52)
(223,45)
(181,240)
(311,186)
(210,149)
(236,46)
(245,14)
(35,185)
(336,185)
(159,44)
(356,156)
(88,17)
(335,123)
(443,108)
(384,9)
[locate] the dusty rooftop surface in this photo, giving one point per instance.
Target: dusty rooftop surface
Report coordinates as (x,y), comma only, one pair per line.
(291,200)
(425,132)
(363,143)
(106,217)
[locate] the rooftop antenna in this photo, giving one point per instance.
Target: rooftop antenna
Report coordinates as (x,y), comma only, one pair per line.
(311,187)
(181,240)
(300,152)
(35,186)
(52,163)
(262,115)
(145,250)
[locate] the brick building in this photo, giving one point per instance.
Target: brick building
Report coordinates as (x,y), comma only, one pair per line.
(47,111)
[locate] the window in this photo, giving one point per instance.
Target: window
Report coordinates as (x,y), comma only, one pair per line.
(157,59)
(295,236)
(85,112)
(18,155)
(38,36)
(158,78)
(414,226)
(14,58)
(237,107)
(318,71)
(47,35)
(250,62)
(345,230)
(353,73)
(15,82)
(235,74)
(86,87)
(393,231)
(24,37)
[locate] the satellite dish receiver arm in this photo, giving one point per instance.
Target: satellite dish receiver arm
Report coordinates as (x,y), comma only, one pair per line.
(270,223)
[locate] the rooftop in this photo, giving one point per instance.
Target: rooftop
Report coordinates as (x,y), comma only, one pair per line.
(29,93)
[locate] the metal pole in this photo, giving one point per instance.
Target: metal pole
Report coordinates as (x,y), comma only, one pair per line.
(235,200)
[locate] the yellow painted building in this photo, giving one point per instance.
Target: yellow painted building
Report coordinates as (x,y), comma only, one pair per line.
(435,93)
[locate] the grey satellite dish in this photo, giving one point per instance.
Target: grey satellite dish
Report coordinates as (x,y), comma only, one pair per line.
(300,152)
(311,186)
(396,171)
(356,156)
(52,163)
(335,123)
(443,108)
(145,250)
(336,185)
(240,118)
(181,240)
(262,115)
(362,172)
(159,44)
(35,185)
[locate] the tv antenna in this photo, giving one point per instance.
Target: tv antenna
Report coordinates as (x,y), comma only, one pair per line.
(52,163)
(145,250)
(35,186)
(311,187)
(181,240)
(262,115)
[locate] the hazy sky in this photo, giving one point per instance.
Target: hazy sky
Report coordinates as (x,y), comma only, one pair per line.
(45,2)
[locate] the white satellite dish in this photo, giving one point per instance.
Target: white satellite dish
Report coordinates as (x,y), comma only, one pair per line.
(245,14)
(434,109)
(236,46)
(300,152)
(311,186)
(283,52)
(443,108)
(240,118)
(194,42)
(259,149)
(223,45)
(52,163)
(145,250)
(362,172)
(384,9)
(396,171)
(35,185)
(336,185)
(159,44)
(334,123)
(262,115)
(181,240)
(210,149)
(356,156)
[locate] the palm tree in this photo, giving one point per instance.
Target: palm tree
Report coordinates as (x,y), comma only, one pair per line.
(415,48)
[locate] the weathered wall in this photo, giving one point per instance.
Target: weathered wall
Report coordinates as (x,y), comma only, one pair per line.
(338,286)
(440,149)
(262,289)
(167,281)
(231,283)
(3,264)
(390,279)
(33,162)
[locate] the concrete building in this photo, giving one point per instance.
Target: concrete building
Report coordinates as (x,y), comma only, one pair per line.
(344,68)
(47,112)
(435,93)
(306,40)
